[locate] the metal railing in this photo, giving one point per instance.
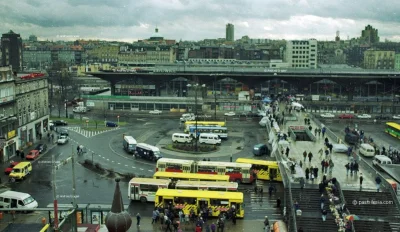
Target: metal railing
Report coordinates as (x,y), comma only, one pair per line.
(343,201)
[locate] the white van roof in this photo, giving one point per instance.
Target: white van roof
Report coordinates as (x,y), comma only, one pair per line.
(180,134)
(130,139)
(14,194)
(383,157)
(367,146)
(208,134)
(147,146)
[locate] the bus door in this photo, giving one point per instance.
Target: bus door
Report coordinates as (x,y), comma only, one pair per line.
(161,167)
(202,203)
(186,169)
(246,176)
(238,208)
(273,174)
(221,170)
(135,192)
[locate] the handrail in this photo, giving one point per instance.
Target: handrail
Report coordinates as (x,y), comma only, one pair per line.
(343,200)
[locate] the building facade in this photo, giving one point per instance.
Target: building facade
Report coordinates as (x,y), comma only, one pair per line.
(374,59)
(32,109)
(8,118)
(397,61)
(11,49)
(302,54)
(147,54)
(107,53)
(370,35)
(230,32)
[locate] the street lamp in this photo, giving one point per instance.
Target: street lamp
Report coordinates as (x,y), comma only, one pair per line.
(196,87)
(215,94)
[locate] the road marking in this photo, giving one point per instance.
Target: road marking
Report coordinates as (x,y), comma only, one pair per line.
(126,165)
(113,161)
(119,163)
(133,167)
(141,169)
(103,157)
(108,159)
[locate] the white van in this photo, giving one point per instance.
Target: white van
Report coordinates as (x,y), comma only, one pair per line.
(367,150)
(209,139)
(12,199)
(381,159)
(181,138)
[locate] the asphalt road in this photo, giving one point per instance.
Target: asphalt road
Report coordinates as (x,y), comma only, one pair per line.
(107,148)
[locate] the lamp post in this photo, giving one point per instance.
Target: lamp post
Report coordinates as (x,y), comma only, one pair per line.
(196,87)
(215,94)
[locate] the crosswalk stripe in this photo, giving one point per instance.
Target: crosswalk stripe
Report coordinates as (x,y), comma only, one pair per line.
(86,133)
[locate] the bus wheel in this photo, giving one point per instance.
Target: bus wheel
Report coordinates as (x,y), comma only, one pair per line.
(143,199)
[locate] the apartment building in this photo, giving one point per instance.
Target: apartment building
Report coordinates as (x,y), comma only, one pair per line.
(302,54)
(375,59)
(32,108)
(8,119)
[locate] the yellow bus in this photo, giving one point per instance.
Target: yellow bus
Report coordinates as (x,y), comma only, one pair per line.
(186,200)
(264,169)
(393,129)
(188,124)
(207,185)
(175,176)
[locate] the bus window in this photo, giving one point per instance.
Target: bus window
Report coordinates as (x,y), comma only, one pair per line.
(234,170)
(148,188)
(218,202)
(185,200)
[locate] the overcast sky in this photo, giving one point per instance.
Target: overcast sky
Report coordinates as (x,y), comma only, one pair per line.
(130,20)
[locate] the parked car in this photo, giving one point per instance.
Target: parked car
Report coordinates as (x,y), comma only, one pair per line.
(51,123)
(111,124)
(60,123)
(382,117)
(8,169)
(62,140)
(41,148)
(364,116)
(32,155)
(155,112)
(396,116)
(327,115)
(230,114)
(346,116)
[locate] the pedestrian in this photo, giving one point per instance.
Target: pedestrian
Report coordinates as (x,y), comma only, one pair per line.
(351,168)
(278,203)
(307,173)
(310,155)
(261,191)
(312,177)
(154,216)
(17,152)
(255,189)
(221,225)
(324,213)
(181,216)
(347,168)
(302,183)
(378,183)
(361,179)
(320,152)
(324,178)
(213,227)
(315,172)
(322,201)
(319,132)
(22,155)
(305,156)
(310,128)
(355,168)
(234,217)
(326,166)
(52,137)
(331,165)
(138,219)
(323,131)
(315,131)
(305,121)
(266,223)
(287,152)
(270,189)
(322,166)
(301,164)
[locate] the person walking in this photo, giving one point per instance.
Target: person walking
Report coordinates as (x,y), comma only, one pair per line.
(305,156)
(324,213)
(302,183)
(355,168)
(312,177)
(270,189)
(323,131)
(326,166)
(378,182)
(154,216)
(310,156)
(322,201)
(347,166)
(315,170)
(361,179)
(331,165)
(278,203)
(351,168)
(307,173)
(321,153)
(322,166)
(287,152)
(138,219)
(266,223)
(213,227)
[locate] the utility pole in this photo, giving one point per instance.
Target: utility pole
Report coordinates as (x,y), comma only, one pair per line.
(55,204)
(215,99)
(195,105)
(73,178)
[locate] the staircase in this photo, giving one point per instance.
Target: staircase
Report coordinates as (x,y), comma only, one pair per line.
(373,217)
(311,218)
(368,210)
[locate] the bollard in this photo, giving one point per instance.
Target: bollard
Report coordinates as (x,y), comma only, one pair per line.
(43,220)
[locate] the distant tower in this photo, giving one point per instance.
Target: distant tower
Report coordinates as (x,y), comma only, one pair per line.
(11,51)
(370,34)
(230,32)
(337,38)
(118,220)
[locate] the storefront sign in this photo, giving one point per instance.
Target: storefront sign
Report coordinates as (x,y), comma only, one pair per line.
(11,134)
(90,103)
(10,142)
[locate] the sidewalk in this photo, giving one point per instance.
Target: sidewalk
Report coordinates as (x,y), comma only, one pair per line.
(3,166)
(339,159)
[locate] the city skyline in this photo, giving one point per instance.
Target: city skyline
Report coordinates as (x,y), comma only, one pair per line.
(129,21)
